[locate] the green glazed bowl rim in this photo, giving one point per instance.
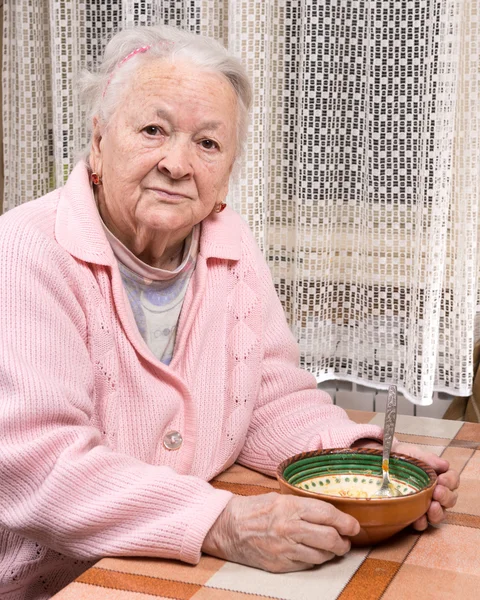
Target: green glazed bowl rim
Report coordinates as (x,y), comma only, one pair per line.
(372,455)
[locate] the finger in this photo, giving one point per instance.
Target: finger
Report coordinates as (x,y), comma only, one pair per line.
(439,465)
(321,538)
(420,524)
(306,555)
(435,513)
(323,513)
(450,479)
(446,497)
(288,566)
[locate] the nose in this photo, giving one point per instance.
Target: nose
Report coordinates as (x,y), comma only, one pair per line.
(176,161)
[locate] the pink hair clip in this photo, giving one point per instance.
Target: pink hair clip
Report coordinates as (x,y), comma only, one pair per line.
(140,50)
(136,51)
(124,60)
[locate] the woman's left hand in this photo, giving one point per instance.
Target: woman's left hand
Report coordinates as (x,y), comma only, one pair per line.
(444,494)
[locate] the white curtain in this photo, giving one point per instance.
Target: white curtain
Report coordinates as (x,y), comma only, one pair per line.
(361,180)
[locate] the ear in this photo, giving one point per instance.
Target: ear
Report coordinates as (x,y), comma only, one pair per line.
(96,161)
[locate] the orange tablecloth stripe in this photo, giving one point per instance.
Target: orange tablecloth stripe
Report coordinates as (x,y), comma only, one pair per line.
(463,520)
(370,580)
(241,489)
(139,583)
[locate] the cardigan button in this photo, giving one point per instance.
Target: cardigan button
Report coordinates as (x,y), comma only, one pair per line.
(172,440)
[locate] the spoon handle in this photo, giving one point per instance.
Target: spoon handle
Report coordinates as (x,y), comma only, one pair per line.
(390,419)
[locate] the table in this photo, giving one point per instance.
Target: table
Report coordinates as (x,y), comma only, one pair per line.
(441,563)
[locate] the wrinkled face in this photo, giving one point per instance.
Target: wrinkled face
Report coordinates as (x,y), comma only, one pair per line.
(166,155)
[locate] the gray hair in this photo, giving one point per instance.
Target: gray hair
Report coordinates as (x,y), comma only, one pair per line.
(101,91)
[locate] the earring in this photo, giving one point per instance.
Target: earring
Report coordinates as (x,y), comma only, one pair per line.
(96,179)
(219,207)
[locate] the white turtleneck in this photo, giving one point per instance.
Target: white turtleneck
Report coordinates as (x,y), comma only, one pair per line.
(156,295)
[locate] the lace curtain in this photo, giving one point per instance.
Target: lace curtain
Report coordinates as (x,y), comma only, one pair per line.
(361,179)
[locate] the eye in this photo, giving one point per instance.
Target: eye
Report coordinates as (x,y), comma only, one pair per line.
(152,130)
(209,144)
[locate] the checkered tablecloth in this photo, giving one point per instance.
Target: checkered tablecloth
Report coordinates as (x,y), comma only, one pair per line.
(441,563)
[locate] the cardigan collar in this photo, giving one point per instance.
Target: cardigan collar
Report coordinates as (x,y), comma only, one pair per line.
(78,226)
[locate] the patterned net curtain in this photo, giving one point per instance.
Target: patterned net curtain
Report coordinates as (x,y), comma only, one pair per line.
(361,177)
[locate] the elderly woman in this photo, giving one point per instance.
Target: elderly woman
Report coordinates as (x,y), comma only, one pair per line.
(144,349)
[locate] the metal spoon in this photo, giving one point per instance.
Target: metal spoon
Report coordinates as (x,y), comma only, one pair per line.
(387,488)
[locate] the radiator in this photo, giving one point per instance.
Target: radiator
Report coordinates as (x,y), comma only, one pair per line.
(360,397)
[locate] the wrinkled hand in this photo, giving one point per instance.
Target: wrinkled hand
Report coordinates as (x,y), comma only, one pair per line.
(280,533)
(444,494)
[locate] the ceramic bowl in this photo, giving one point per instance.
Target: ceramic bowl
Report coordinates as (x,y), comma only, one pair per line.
(348,479)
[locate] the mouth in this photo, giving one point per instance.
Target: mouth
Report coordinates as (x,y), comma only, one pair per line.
(168,195)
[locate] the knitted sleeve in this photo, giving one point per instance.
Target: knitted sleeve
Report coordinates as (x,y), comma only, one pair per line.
(291,415)
(61,486)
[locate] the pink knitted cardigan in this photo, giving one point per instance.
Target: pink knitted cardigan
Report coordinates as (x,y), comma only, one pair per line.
(85,405)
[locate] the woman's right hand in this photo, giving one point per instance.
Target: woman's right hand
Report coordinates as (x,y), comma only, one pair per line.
(280,533)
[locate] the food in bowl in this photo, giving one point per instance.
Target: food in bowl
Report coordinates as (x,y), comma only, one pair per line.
(351,485)
(348,479)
